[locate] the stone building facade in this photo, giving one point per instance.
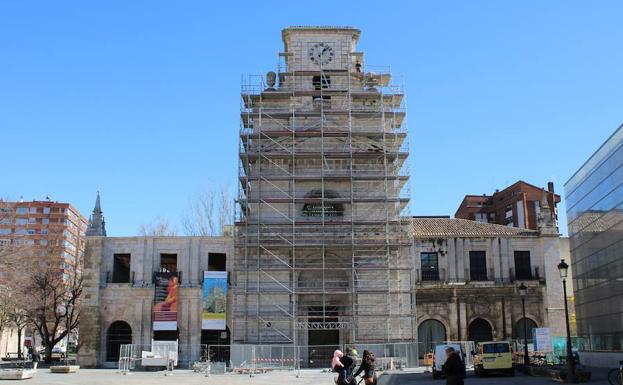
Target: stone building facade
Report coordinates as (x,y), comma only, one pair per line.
(119,293)
(321,245)
(467,275)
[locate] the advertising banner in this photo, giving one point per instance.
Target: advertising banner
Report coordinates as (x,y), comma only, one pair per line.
(542,340)
(214,300)
(165,301)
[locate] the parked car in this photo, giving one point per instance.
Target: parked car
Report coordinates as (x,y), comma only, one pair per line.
(439,357)
(493,357)
(57,352)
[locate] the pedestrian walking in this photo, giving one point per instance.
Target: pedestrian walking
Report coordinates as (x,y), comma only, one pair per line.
(343,364)
(36,357)
(453,368)
(353,352)
(368,367)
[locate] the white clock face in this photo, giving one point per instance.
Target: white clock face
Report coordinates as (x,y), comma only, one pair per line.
(321,53)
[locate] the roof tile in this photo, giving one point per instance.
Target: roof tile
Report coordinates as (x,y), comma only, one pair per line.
(455,227)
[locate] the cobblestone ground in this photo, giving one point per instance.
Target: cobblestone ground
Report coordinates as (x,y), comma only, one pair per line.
(308,377)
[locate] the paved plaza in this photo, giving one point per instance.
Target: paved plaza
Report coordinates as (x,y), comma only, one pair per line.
(308,377)
(599,377)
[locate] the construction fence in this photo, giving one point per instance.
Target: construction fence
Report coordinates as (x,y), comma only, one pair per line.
(250,359)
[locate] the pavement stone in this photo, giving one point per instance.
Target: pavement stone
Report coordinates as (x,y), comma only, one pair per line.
(307,377)
(417,377)
(182,377)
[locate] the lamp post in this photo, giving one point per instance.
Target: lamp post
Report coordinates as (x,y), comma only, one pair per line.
(65,310)
(523,290)
(563,270)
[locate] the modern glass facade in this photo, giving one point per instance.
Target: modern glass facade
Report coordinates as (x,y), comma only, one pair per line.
(595,219)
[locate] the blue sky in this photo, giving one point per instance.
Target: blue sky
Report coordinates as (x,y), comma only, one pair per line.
(140,99)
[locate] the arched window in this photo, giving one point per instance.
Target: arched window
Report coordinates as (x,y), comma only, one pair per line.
(430,333)
(119,333)
(480,330)
(316,205)
(518,332)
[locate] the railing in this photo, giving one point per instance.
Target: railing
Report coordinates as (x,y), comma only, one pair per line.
(262,358)
(110,278)
(478,276)
(430,275)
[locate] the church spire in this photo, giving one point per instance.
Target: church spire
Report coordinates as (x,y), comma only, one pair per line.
(97,224)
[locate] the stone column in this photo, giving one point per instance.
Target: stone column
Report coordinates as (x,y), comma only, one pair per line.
(496,259)
(505,258)
(90,325)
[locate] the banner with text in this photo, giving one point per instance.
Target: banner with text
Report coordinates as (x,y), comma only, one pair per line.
(214,300)
(165,301)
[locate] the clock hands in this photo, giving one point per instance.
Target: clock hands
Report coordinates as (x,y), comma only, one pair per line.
(321,53)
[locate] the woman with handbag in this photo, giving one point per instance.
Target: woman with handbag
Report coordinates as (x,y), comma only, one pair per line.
(368,367)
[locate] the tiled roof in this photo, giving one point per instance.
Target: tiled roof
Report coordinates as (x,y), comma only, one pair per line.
(321,27)
(454,227)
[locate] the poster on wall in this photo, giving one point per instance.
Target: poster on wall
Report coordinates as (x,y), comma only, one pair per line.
(214,300)
(542,340)
(165,301)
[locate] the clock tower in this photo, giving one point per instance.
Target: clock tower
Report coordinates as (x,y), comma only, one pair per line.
(322,248)
(312,48)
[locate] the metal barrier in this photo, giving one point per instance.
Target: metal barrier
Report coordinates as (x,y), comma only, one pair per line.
(263,358)
(254,359)
(391,356)
(136,356)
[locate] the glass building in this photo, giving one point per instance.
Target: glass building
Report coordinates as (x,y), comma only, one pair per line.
(595,219)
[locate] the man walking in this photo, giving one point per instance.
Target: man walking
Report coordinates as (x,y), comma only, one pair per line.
(453,368)
(36,357)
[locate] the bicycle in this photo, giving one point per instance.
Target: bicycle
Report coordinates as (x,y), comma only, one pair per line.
(615,376)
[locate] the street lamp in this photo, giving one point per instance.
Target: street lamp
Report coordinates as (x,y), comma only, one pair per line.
(523,290)
(563,269)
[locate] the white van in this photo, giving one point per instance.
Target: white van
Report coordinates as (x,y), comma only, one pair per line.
(439,357)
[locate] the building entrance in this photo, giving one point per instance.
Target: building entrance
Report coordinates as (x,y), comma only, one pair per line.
(322,342)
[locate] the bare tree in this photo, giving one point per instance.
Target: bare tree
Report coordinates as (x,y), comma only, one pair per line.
(18,317)
(7,249)
(53,302)
(45,291)
(4,307)
(157,228)
(208,212)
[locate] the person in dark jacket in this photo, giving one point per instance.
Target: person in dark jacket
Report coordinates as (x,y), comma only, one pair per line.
(36,357)
(345,376)
(453,368)
(367,367)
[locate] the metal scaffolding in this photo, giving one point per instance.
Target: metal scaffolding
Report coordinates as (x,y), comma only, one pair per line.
(320,240)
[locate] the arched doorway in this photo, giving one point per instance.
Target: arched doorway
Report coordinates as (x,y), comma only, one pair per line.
(518,332)
(119,333)
(430,333)
(480,330)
